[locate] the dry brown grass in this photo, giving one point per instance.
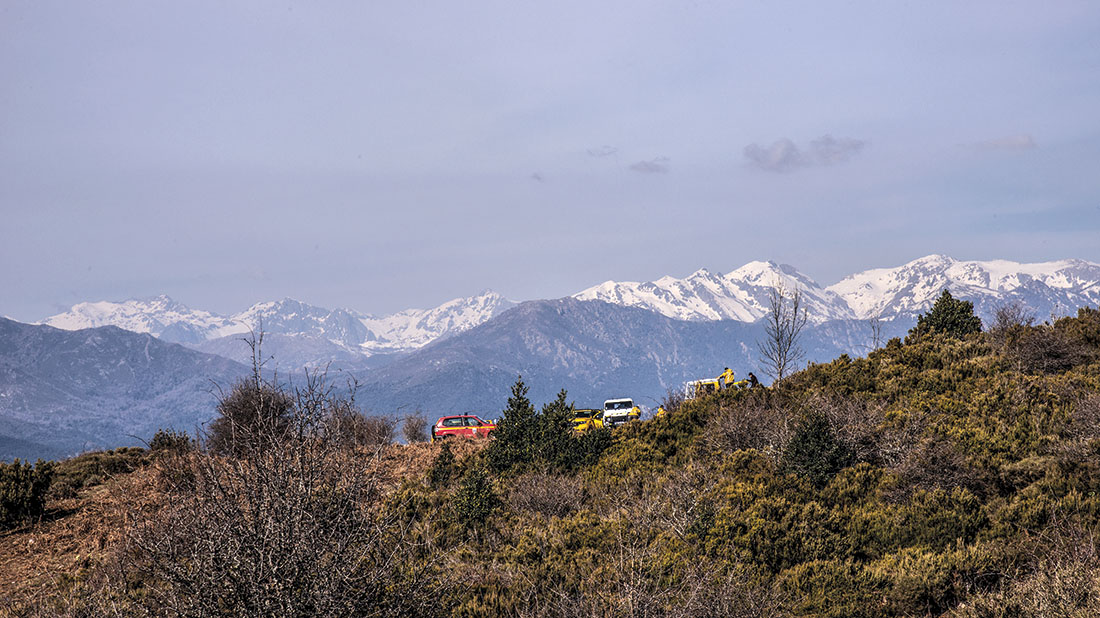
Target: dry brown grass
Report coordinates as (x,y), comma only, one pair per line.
(74,536)
(397,462)
(78,535)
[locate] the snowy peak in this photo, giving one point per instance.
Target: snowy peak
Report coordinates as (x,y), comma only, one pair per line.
(352,331)
(740,295)
(293,317)
(414,328)
(1047,287)
(159,316)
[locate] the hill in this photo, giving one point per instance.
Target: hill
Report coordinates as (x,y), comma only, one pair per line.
(934,477)
(593,349)
(62,392)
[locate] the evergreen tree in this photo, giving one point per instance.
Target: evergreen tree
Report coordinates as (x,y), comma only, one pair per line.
(948,316)
(517,433)
(557,439)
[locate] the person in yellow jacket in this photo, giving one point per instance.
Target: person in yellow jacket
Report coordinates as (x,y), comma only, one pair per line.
(726,380)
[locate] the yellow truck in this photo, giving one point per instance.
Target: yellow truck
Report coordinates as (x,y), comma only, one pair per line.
(587,418)
(708,386)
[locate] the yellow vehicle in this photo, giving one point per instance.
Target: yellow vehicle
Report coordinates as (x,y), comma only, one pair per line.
(708,386)
(700,388)
(587,418)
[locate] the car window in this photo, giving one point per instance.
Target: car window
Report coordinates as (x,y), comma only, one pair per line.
(452,422)
(473,422)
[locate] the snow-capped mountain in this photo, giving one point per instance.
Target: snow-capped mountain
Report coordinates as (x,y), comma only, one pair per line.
(738,295)
(159,316)
(349,330)
(313,335)
(1044,288)
(415,328)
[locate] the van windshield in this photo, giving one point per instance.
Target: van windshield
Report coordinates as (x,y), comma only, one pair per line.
(619,405)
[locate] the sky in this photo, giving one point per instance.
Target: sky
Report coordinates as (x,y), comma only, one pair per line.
(385,155)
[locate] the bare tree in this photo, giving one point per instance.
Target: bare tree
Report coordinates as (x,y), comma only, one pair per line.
(876,332)
(783,326)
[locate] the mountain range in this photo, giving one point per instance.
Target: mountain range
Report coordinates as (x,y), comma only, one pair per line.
(107,373)
(743,294)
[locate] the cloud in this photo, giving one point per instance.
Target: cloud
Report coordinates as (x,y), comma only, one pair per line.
(654,166)
(785,156)
(537,177)
(602,152)
(1008,142)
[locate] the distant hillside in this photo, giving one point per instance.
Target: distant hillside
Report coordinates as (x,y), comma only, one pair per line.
(66,391)
(594,349)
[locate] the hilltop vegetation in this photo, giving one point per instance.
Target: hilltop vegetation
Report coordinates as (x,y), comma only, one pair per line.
(954,473)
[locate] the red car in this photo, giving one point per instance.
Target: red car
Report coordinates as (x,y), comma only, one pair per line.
(464,425)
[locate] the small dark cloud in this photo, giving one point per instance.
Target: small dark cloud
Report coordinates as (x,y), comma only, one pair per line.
(1008,142)
(827,150)
(653,166)
(602,152)
(537,177)
(785,156)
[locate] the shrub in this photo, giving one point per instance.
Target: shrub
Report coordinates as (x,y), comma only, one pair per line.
(93,468)
(23,491)
(475,499)
(171,441)
(443,466)
(674,398)
(349,428)
(814,451)
(254,416)
(547,494)
(415,428)
(751,422)
(290,526)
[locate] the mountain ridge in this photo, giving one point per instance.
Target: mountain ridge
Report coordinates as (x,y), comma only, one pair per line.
(312,336)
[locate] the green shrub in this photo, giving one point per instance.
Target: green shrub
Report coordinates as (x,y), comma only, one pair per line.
(171,441)
(23,491)
(93,468)
(475,499)
(443,466)
(814,451)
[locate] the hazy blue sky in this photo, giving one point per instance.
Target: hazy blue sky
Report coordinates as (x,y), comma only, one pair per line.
(382,155)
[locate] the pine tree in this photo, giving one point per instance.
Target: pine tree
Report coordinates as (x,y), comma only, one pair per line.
(948,316)
(517,433)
